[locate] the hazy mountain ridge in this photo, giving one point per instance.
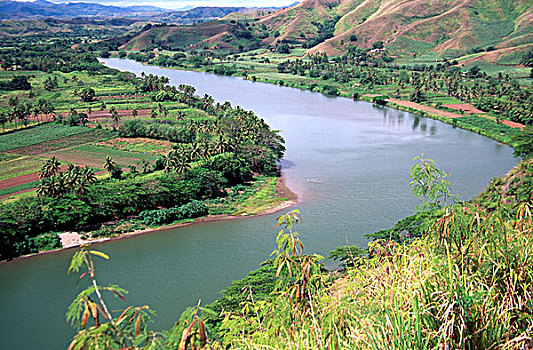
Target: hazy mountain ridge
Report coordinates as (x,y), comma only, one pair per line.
(44,9)
(41,8)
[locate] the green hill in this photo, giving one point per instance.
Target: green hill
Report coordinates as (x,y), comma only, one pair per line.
(450,28)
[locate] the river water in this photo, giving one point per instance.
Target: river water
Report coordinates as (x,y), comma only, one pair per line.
(361,155)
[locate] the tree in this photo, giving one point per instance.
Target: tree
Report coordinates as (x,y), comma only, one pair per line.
(50,84)
(45,106)
(22,111)
(115,116)
(128,330)
(3,120)
(523,143)
(111,167)
(50,167)
(428,183)
(87,94)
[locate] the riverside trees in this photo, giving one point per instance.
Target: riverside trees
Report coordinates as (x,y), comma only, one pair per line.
(224,148)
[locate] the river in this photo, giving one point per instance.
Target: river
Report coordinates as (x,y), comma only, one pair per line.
(360,153)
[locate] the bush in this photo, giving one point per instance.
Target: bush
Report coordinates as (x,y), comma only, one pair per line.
(190,210)
(235,170)
(46,241)
(204,183)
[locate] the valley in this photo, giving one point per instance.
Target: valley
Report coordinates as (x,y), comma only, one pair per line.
(330,120)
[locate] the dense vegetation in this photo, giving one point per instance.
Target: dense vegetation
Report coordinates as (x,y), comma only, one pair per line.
(198,150)
(453,275)
(214,155)
(372,74)
(462,281)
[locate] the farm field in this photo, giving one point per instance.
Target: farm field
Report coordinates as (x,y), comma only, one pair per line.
(95,155)
(34,136)
(24,154)
(84,132)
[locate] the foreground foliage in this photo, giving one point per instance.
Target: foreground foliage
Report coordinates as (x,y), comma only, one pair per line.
(464,282)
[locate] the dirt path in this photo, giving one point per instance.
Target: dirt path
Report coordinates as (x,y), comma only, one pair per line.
(513,124)
(21,180)
(427,109)
(465,107)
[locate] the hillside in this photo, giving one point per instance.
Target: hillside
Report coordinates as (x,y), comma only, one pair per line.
(74,27)
(406,28)
(221,35)
(445,27)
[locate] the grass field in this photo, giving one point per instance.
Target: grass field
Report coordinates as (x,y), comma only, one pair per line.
(139,145)
(19,166)
(38,134)
(95,155)
(64,142)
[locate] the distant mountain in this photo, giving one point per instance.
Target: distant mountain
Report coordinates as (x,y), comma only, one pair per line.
(405,27)
(42,8)
(196,14)
(45,9)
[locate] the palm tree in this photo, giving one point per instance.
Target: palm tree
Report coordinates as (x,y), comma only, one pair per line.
(168,163)
(221,144)
(196,152)
(111,167)
(115,116)
(49,168)
(85,179)
(182,166)
(3,120)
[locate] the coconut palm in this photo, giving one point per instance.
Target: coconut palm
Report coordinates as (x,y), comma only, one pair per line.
(115,116)
(49,168)
(182,166)
(111,167)
(196,152)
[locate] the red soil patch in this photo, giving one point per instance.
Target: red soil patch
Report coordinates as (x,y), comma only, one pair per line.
(513,124)
(465,107)
(426,109)
(21,180)
(18,192)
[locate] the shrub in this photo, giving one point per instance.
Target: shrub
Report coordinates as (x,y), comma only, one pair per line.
(158,217)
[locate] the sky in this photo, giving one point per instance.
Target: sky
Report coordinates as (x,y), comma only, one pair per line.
(176,4)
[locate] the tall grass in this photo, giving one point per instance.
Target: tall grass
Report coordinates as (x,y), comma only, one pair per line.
(466,284)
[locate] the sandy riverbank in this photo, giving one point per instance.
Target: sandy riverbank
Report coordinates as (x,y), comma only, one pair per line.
(73,239)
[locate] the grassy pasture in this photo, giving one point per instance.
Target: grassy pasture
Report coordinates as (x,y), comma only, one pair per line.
(138,145)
